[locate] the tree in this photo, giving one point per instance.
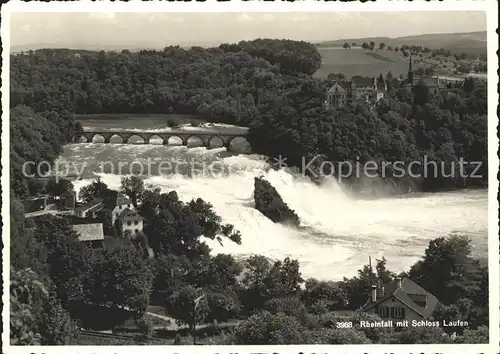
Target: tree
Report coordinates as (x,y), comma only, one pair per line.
(372,45)
(188,306)
(27,295)
(36,316)
(358,288)
(383,273)
(263,282)
(289,305)
(421,93)
(123,279)
(96,189)
(172,123)
(474,336)
(469,85)
(57,186)
(365,45)
(70,262)
(381,46)
(323,296)
(133,187)
(266,328)
(223,305)
(448,269)
(346,45)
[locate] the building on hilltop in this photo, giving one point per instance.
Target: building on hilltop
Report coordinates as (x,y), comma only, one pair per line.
(336,96)
(358,90)
(400,300)
(433,83)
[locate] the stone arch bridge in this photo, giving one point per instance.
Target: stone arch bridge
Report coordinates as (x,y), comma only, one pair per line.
(205,137)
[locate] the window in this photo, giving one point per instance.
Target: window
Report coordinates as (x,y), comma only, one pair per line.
(136,222)
(383,311)
(129,223)
(398,312)
(128,205)
(136,231)
(120,207)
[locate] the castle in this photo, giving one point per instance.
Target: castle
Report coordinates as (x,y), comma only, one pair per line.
(369,90)
(358,90)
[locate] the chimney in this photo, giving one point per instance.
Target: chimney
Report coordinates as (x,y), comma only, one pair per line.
(374,293)
(399,280)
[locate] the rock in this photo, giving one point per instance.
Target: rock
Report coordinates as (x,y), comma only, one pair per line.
(269,202)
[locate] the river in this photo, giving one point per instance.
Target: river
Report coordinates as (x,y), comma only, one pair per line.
(338,234)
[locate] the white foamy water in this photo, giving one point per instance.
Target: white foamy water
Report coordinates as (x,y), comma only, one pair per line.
(338,233)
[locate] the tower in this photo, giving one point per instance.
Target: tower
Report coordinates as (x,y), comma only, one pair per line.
(410,74)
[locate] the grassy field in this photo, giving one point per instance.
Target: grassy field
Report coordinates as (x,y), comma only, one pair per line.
(362,62)
(468,42)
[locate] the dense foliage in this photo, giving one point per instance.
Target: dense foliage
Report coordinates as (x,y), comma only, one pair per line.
(267,85)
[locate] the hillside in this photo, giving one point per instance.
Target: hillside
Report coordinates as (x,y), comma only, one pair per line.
(357,61)
(469,42)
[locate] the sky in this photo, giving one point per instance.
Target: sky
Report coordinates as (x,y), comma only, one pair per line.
(159,29)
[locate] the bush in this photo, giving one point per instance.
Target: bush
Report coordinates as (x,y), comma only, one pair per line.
(266,328)
(290,306)
(172,123)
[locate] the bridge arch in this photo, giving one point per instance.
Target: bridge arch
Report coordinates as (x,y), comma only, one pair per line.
(116,138)
(175,140)
(155,139)
(136,139)
(237,144)
(97,138)
(215,142)
(195,141)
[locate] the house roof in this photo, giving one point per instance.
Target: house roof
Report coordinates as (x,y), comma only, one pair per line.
(363,81)
(129,214)
(93,204)
(89,232)
(122,199)
(336,88)
(403,294)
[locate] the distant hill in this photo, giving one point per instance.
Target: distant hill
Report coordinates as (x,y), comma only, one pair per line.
(469,42)
(133,47)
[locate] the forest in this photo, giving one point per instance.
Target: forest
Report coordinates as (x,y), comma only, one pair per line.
(267,85)
(264,84)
